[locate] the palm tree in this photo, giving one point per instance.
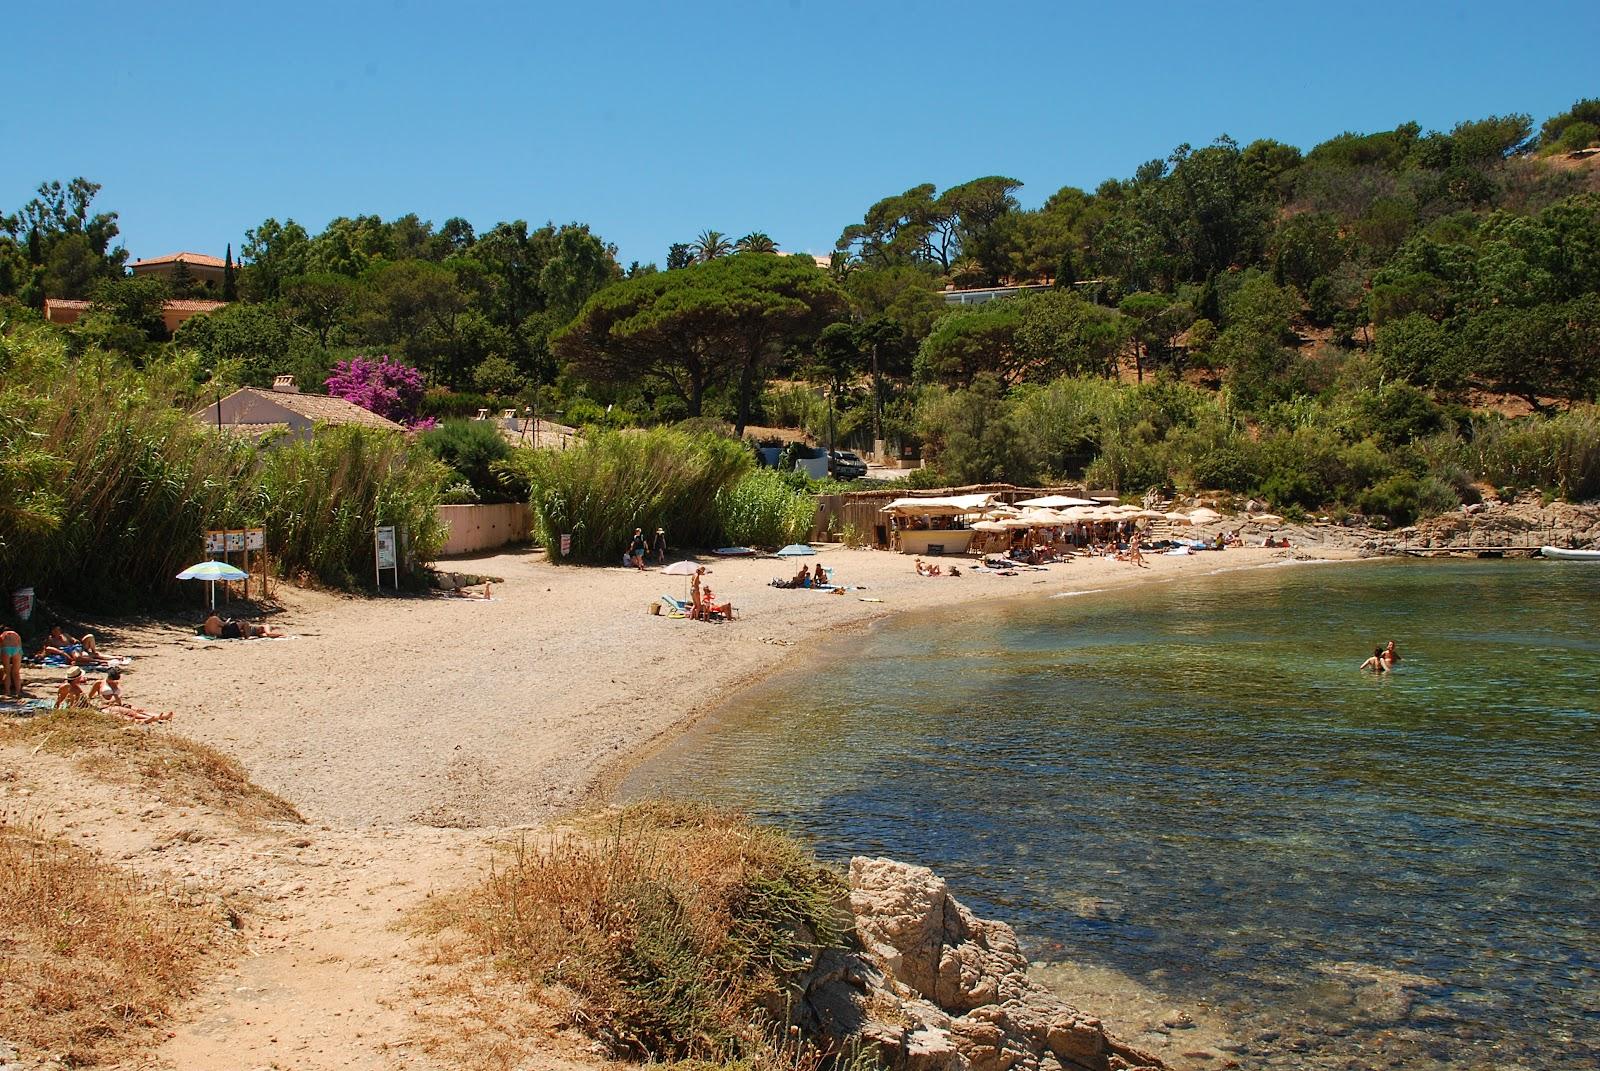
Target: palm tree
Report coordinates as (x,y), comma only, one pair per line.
(757,242)
(711,245)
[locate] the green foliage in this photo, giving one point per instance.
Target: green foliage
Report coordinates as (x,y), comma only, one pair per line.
(476,452)
(321,499)
(252,338)
(1560,454)
(615,481)
(763,510)
(108,488)
(715,324)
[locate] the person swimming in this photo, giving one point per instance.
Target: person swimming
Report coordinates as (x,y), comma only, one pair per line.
(1391,654)
(1376,663)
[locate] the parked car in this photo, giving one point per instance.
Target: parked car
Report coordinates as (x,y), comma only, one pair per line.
(845,465)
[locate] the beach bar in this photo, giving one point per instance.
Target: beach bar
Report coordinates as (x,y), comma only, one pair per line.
(934,525)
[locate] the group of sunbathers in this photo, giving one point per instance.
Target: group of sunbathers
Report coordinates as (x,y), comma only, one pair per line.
(107,694)
(806,578)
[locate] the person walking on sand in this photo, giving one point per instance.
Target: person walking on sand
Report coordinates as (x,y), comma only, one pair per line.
(637,549)
(659,546)
(1375,664)
(11,663)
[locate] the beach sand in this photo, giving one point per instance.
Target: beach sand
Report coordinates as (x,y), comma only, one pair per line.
(386,718)
(458,712)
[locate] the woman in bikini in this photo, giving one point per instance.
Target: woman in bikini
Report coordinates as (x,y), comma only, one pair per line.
(11,663)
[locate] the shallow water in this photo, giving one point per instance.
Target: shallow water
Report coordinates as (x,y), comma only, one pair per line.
(1193,784)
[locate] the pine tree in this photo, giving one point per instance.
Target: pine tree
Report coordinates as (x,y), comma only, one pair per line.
(230,284)
(182,281)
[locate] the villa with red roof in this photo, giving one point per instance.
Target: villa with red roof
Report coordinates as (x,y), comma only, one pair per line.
(205,271)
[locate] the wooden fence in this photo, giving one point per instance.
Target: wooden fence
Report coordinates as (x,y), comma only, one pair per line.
(857,512)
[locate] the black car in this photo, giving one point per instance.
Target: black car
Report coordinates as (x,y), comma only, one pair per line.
(844,465)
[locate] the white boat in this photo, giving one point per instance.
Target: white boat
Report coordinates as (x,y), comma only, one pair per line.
(1565,555)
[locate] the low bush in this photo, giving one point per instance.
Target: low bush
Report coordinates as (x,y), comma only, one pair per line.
(680,933)
(475,452)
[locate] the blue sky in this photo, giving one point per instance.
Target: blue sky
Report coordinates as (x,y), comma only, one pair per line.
(653,121)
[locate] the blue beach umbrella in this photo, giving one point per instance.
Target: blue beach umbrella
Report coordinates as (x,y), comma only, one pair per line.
(213,571)
(796,550)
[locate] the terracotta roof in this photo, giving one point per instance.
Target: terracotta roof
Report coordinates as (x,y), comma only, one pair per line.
(323,408)
(187,258)
(192,305)
(66,303)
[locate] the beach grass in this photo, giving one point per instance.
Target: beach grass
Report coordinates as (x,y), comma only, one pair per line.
(92,959)
(155,760)
(668,932)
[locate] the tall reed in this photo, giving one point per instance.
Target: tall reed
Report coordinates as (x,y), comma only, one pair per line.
(616,481)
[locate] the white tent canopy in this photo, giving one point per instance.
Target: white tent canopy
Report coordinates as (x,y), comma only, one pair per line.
(1057,502)
(949,506)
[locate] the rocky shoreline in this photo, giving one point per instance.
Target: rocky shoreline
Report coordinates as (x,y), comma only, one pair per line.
(936,988)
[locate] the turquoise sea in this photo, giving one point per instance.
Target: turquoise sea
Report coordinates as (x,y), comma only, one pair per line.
(1193,784)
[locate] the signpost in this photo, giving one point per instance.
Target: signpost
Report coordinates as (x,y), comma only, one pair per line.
(225,541)
(384,555)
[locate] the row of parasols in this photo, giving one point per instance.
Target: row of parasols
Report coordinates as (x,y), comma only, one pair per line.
(1056,510)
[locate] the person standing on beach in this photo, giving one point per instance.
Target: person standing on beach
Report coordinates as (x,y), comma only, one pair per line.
(660,546)
(11,663)
(637,549)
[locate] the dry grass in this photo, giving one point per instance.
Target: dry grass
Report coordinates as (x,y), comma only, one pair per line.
(156,760)
(675,934)
(91,959)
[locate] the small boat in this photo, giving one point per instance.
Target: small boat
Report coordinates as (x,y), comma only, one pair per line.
(1562,554)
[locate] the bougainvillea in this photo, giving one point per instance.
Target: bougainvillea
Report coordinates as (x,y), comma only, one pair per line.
(382,385)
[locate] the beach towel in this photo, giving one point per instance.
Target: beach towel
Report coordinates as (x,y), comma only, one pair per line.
(25,707)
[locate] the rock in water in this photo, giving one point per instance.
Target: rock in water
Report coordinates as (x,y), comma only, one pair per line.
(939,989)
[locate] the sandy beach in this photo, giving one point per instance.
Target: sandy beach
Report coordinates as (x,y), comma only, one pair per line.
(414,733)
(445,711)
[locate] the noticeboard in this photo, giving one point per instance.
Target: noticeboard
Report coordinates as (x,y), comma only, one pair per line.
(383,540)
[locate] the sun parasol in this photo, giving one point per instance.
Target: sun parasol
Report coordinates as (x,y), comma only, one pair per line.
(213,571)
(683,568)
(796,550)
(1203,515)
(989,526)
(1057,501)
(1179,518)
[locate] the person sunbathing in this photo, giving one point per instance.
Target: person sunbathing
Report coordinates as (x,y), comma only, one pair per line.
(237,629)
(81,651)
(802,579)
(72,693)
(709,605)
(819,577)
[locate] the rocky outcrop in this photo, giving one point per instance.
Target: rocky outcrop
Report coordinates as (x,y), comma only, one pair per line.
(938,989)
(1527,521)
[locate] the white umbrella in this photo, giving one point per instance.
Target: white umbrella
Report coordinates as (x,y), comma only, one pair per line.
(990,526)
(1179,518)
(1204,515)
(1057,501)
(683,568)
(213,571)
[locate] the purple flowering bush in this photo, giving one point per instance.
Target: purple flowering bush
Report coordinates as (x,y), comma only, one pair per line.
(382,385)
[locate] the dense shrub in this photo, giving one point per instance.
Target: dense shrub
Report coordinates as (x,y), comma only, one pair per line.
(764,510)
(106,489)
(616,481)
(475,452)
(1560,454)
(321,500)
